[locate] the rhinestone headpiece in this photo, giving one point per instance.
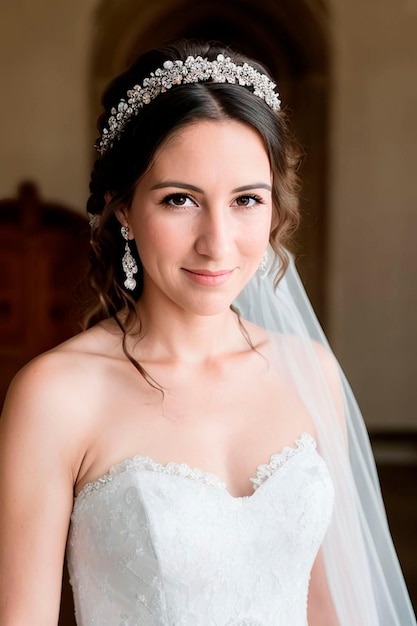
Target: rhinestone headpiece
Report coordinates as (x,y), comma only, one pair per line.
(192,70)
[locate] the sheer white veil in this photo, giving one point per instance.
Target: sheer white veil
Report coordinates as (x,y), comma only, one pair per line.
(362,569)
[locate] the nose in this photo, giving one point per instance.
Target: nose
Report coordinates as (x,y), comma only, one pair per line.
(215,236)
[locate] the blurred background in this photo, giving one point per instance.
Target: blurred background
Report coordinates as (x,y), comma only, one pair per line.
(347,73)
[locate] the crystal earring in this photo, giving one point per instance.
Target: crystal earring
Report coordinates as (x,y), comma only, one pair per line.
(128,262)
(263,266)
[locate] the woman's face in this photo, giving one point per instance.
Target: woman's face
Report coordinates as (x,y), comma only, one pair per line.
(201,216)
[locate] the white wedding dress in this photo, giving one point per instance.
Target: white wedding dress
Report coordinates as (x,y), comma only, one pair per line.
(157,545)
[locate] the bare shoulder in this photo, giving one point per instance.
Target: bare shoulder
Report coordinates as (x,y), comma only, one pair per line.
(269,340)
(67,369)
(317,363)
(327,361)
(333,376)
(305,356)
(54,399)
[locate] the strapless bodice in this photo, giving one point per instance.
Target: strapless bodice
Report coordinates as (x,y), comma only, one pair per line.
(157,545)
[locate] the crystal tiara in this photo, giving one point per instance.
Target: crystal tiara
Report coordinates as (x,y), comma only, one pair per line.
(192,70)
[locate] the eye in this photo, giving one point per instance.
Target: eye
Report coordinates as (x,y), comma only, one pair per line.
(178,200)
(248,201)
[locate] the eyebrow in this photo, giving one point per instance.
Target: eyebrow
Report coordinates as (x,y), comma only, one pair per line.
(180,185)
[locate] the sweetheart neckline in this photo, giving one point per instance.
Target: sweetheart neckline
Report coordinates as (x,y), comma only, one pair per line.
(172,468)
(146,463)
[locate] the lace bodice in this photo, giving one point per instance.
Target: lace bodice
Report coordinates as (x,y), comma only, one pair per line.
(167,545)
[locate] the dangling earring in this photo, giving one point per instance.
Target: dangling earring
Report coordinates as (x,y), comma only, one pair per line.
(263,266)
(128,262)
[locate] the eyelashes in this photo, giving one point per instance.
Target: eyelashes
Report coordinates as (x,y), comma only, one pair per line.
(252,198)
(178,200)
(181,200)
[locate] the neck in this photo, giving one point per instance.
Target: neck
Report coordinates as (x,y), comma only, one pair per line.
(187,337)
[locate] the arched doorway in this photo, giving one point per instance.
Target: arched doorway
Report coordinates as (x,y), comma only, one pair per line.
(290,37)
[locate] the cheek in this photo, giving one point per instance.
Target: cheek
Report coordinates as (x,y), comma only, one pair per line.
(259,234)
(159,238)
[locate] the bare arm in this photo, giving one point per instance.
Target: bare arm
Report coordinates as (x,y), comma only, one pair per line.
(320,609)
(38,459)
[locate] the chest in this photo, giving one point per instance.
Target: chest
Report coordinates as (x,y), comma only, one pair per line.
(224,421)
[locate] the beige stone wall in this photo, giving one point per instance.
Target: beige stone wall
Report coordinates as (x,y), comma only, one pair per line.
(45,51)
(44,54)
(373,200)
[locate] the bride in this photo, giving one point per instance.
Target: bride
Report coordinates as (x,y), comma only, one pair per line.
(196,449)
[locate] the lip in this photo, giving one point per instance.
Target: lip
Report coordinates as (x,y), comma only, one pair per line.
(207,277)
